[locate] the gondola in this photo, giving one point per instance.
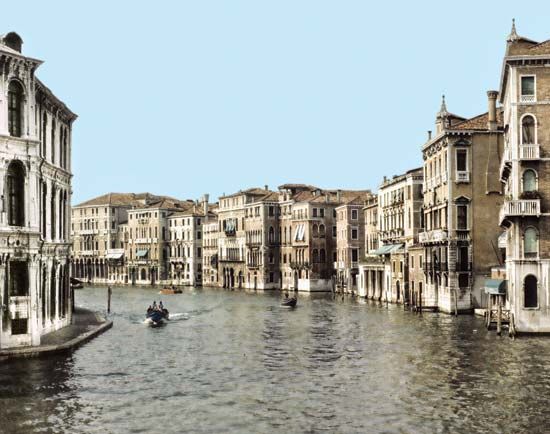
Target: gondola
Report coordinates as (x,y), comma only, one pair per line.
(157,316)
(289,302)
(76,284)
(168,291)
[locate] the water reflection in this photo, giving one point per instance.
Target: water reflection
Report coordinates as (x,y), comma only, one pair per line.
(237,362)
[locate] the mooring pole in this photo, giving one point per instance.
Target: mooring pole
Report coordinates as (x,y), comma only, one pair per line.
(109,292)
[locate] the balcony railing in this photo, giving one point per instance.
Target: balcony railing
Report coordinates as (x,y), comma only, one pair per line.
(529,152)
(434,236)
(527,98)
(462,176)
(520,208)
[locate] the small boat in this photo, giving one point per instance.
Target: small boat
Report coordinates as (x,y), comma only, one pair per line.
(157,316)
(289,302)
(168,291)
(76,284)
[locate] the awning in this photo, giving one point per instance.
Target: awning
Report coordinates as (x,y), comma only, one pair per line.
(114,255)
(496,286)
(142,253)
(387,249)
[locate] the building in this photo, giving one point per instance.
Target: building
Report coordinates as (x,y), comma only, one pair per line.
(147,250)
(210,251)
(186,243)
(370,265)
(232,236)
(385,270)
(350,242)
(461,186)
(525,171)
(36,144)
(99,229)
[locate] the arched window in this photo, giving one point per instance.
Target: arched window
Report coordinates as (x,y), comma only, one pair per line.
(15,186)
(530,243)
(15,108)
(53,141)
(530,289)
(315,256)
(44,128)
(321,230)
(315,231)
(528,130)
(322,256)
(271,234)
(529,180)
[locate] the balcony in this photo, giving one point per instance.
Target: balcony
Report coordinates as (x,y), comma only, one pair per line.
(88,232)
(527,98)
(462,176)
(519,208)
(435,236)
(529,152)
(506,164)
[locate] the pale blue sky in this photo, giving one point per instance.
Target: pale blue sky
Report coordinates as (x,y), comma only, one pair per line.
(184,98)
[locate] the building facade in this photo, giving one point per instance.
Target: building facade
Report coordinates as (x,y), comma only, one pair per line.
(525,169)
(461,187)
(35,138)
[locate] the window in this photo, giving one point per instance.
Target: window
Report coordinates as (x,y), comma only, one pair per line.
(530,289)
(334,231)
(462,217)
(530,243)
(354,255)
(354,214)
(19,326)
(528,88)
(354,233)
(321,230)
(528,130)
(271,235)
(322,212)
(315,256)
(314,212)
(461,162)
(18,279)
(315,231)
(412,262)
(15,186)
(15,106)
(529,180)
(322,256)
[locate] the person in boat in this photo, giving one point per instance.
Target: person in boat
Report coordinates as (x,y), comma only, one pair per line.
(149,309)
(161,306)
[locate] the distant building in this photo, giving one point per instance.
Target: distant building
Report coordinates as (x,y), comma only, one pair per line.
(35,145)
(186,243)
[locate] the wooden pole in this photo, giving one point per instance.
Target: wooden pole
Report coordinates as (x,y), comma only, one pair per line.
(109,292)
(499,316)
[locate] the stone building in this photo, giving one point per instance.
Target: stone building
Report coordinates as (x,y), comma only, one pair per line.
(35,150)
(461,173)
(262,240)
(371,266)
(314,237)
(186,243)
(147,250)
(385,270)
(350,242)
(525,171)
(232,237)
(210,250)
(100,236)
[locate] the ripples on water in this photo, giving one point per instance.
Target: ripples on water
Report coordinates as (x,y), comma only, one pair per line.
(237,362)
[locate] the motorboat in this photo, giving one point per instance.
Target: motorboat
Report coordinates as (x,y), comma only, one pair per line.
(289,302)
(156,317)
(168,291)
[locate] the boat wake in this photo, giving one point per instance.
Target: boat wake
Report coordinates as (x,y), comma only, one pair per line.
(179,316)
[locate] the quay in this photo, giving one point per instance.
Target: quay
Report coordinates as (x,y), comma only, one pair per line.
(85,326)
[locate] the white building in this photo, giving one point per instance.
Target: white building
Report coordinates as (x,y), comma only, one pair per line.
(35,181)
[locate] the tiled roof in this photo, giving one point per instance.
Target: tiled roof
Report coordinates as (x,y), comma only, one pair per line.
(477,123)
(124,199)
(255,191)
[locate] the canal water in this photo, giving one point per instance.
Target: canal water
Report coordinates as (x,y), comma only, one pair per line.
(236,362)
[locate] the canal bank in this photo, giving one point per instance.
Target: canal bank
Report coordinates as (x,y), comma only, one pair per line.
(86,325)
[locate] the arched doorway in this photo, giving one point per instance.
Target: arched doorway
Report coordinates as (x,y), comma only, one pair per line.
(530,289)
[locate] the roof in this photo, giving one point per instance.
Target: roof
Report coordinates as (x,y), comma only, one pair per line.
(254,191)
(195,210)
(387,249)
(477,123)
(123,199)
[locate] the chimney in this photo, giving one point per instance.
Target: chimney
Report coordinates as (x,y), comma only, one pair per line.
(205,204)
(338,195)
(492,119)
(429,135)
(266,187)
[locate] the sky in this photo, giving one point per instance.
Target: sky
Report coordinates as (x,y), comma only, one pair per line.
(184,98)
